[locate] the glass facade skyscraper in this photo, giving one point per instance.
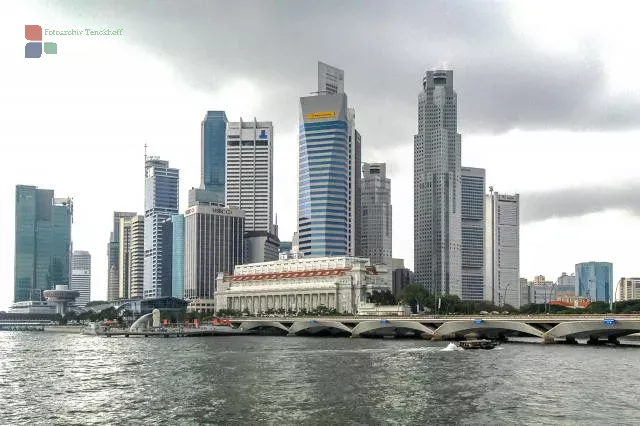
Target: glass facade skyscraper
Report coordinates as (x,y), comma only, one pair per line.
(177,269)
(161,202)
(42,242)
(213,143)
(323,177)
(473,229)
(594,280)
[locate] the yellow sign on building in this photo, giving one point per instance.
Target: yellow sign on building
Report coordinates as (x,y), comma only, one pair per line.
(319,115)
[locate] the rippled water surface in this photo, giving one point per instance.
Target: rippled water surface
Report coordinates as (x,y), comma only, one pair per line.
(49,378)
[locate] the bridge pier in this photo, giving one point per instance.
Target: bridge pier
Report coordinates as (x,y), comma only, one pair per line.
(570,340)
(594,341)
(613,340)
(436,337)
(548,340)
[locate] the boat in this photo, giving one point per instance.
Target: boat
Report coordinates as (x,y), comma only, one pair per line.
(477,344)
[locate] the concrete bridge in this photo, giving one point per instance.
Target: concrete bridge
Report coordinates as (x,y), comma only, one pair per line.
(593,328)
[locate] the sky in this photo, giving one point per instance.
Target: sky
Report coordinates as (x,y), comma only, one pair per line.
(548,104)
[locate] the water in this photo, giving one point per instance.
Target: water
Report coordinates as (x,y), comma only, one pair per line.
(49,378)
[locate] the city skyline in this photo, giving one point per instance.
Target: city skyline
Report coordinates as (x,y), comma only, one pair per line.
(511,140)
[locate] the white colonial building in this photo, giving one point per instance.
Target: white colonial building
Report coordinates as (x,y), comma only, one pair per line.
(303,283)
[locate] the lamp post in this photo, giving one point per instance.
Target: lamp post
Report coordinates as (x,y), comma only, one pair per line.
(612,306)
(504,299)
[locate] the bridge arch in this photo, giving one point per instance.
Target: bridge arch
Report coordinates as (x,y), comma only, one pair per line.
(374,325)
(315,326)
(250,325)
(474,326)
(594,328)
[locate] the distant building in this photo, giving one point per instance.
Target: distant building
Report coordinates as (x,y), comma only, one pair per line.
(42,242)
(113,254)
(177,268)
(198,196)
(81,276)
(566,287)
(376,237)
(124,257)
(213,243)
(339,282)
(628,289)
(213,145)
(473,233)
(541,290)
(594,280)
(525,298)
(502,249)
(400,277)
(249,172)
(167,257)
(285,246)
(136,258)
(260,246)
(160,203)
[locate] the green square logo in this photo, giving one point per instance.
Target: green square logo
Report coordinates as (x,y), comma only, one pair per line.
(50,48)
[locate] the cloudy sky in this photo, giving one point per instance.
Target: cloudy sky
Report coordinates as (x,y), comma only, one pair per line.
(549,104)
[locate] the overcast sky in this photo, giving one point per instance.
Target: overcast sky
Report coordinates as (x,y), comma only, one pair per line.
(549,104)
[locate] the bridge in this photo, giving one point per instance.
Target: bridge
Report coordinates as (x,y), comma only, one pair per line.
(569,328)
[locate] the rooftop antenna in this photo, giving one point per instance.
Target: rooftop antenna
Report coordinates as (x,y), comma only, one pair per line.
(491,190)
(145,152)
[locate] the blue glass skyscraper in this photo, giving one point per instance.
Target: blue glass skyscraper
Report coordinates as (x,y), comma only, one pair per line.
(42,242)
(213,144)
(594,280)
(323,181)
(177,268)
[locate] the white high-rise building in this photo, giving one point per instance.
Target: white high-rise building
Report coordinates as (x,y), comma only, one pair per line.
(376,235)
(330,79)
(160,203)
(355,177)
(136,258)
(249,172)
(502,249)
(81,276)
(473,224)
(437,187)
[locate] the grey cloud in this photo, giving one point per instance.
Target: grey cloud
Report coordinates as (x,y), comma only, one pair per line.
(384,47)
(574,202)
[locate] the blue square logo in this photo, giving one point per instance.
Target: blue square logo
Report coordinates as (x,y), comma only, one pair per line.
(263,134)
(33,49)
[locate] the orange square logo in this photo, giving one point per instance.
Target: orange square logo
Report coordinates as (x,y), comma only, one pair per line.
(33,32)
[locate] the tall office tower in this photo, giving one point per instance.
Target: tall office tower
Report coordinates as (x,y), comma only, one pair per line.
(473,223)
(213,244)
(502,249)
(113,253)
(330,79)
(249,172)
(212,155)
(376,236)
(81,276)
(124,261)
(136,258)
(167,257)
(437,235)
(42,242)
(160,203)
(354,205)
(177,258)
(594,280)
(323,174)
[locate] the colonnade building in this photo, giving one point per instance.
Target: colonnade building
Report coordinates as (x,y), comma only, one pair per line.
(340,283)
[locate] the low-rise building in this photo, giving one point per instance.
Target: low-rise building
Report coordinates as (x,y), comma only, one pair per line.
(371,309)
(339,283)
(260,246)
(628,289)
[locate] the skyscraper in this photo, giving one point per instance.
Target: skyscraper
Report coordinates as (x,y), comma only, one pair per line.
(502,249)
(81,276)
(213,143)
(249,172)
(354,215)
(160,203)
(136,258)
(594,280)
(177,266)
(327,210)
(113,254)
(376,237)
(124,261)
(473,224)
(213,244)
(42,242)
(437,203)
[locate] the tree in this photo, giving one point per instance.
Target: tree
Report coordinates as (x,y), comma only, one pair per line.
(414,295)
(382,298)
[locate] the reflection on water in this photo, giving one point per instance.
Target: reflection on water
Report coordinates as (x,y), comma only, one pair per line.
(71,379)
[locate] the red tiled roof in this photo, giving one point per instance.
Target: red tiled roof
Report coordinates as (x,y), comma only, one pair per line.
(291,275)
